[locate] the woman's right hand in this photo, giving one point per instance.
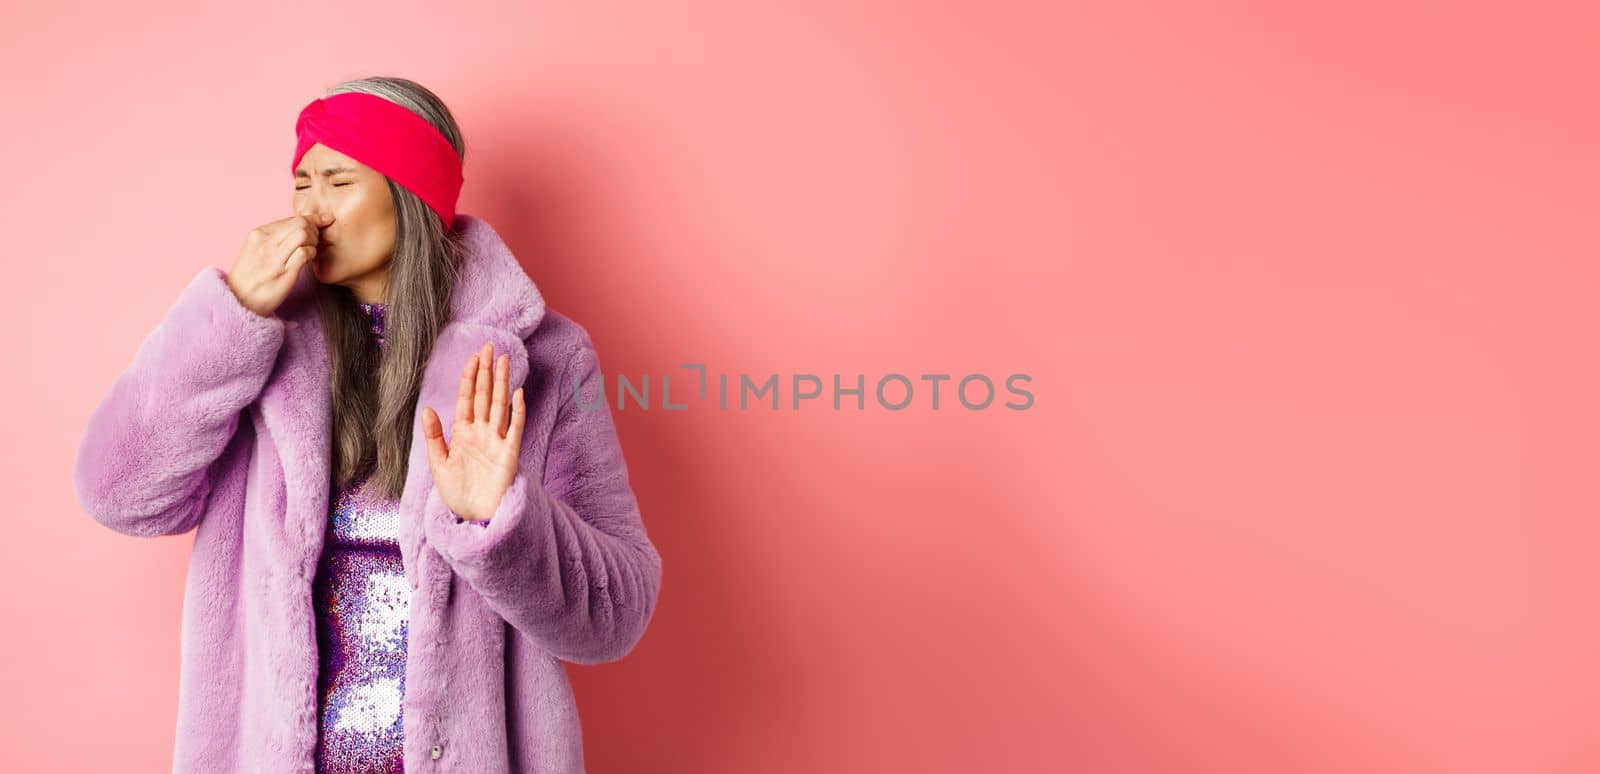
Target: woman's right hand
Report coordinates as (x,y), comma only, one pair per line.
(273,254)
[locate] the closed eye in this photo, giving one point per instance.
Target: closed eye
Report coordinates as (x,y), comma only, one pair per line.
(335,185)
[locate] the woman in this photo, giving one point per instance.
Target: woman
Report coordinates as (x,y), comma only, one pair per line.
(360,598)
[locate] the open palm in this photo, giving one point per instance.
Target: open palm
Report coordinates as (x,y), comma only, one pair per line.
(473,471)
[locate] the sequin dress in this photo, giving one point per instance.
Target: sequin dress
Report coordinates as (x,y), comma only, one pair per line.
(363,602)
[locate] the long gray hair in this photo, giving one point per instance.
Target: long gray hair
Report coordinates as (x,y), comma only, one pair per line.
(375,399)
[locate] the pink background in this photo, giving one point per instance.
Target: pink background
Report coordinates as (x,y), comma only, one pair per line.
(1308,298)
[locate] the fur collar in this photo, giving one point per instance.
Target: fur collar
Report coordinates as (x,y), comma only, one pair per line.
(494,300)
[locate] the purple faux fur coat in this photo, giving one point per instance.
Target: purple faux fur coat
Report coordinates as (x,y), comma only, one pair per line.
(221,424)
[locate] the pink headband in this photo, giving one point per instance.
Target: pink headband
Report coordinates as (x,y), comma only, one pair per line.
(389,138)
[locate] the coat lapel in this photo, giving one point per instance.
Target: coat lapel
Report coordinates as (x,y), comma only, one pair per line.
(494,301)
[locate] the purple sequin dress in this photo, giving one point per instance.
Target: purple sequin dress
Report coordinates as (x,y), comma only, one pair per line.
(363,600)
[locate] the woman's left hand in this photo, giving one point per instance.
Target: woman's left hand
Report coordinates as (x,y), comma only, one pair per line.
(478,465)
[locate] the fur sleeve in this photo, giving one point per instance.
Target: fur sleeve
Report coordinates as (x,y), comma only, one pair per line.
(566,560)
(144,463)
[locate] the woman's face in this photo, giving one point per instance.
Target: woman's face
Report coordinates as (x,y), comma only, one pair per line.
(356,246)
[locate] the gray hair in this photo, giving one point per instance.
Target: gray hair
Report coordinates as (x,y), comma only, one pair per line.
(375,399)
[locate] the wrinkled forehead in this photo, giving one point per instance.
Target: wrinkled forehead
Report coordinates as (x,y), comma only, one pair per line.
(323,161)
